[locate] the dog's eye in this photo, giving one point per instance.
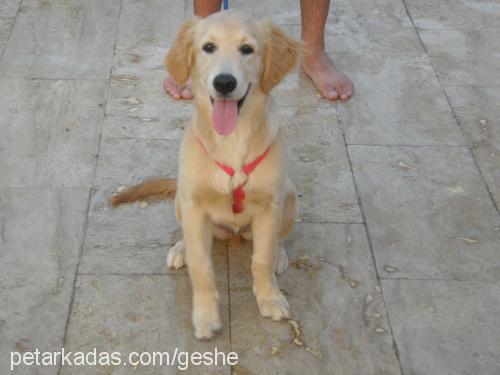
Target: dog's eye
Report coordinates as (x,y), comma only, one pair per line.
(209,47)
(245,49)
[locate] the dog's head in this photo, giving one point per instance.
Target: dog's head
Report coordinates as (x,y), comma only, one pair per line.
(230,57)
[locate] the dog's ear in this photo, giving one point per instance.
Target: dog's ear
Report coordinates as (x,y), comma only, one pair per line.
(180,57)
(281,54)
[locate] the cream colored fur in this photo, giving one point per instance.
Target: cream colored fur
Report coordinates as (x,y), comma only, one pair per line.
(204,192)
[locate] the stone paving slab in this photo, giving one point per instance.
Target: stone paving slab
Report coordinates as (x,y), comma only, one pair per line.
(49,132)
(149,23)
(142,313)
(389,15)
(333,292)
(427,208)
(464,57)
(147,128)
(297,90)
(5,27)
(428,212)
(478,111)
(319,167)
(124,162)
(142,96)
(282,12)
(128,239)
(456,14)
(445,327)
(381,14)
(56,39)
(398,101)
(138,106)
(138,61)
(352,38)
(9,8)
(41,232)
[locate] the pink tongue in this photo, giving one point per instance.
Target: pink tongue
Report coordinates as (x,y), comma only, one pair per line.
(224,116)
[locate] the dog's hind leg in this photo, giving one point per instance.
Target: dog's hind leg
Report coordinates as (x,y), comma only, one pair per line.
(176,256)
(282,261)
(289,212)
(287,221)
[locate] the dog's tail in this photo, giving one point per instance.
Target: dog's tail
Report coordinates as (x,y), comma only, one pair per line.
(152,190)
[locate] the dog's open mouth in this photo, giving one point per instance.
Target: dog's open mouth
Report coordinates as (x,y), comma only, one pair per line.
(225,113)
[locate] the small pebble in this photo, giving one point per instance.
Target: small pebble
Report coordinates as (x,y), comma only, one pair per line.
(132,100)
(390,269)
(468,240)
(456,189)
(402,165)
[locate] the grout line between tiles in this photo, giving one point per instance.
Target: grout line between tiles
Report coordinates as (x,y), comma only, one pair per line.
(11,28)
(229,302)
(433,279)
(131,274)
(478,167)
(73,291)
(370,244)
(402,145)
(43,188)
(91,192)
(56,79)
(462,30)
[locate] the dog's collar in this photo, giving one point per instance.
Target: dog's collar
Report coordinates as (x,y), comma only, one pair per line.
(238,193)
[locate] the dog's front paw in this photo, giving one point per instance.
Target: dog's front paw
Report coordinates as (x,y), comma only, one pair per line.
(206,323)
(274,306)
(175,257)
(282,263)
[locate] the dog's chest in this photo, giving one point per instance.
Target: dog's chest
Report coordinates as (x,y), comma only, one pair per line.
(220,206)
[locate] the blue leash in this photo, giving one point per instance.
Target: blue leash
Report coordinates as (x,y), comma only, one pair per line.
(225,5)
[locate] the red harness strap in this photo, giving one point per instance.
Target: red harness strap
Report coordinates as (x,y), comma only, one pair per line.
(238,193)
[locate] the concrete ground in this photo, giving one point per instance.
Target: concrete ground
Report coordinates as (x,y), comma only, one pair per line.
(396,255)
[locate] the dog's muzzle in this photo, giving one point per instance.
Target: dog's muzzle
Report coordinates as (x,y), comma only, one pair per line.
(240,101)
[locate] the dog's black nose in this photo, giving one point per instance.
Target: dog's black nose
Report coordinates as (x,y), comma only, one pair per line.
(225,83)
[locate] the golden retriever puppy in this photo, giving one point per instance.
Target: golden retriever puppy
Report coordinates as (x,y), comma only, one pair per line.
(233,169)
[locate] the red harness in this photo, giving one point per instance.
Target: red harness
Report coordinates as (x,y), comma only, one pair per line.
(238,193)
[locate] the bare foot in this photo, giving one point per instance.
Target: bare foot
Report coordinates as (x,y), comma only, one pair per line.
(176,91)
(331,82)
